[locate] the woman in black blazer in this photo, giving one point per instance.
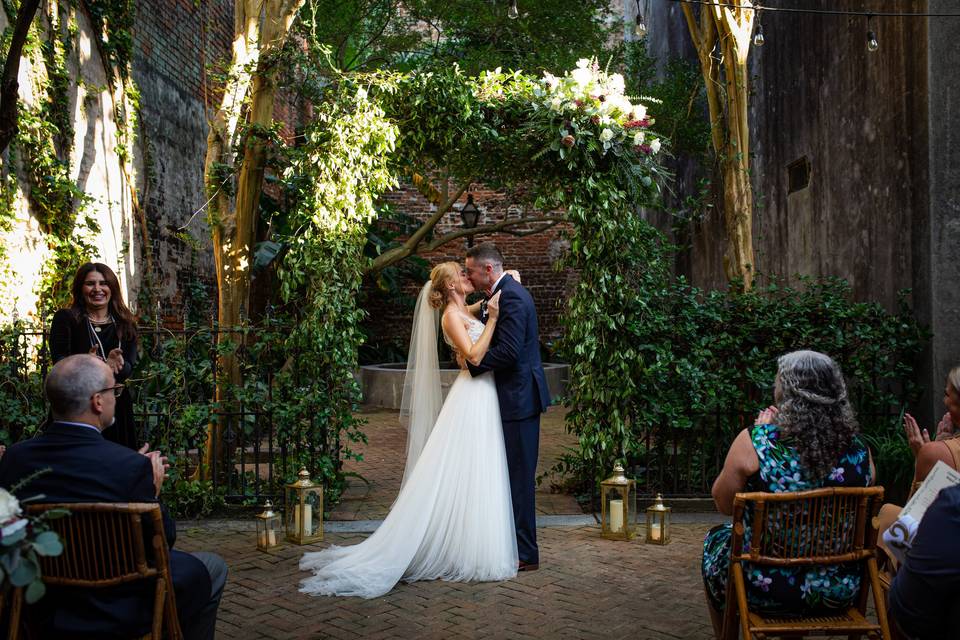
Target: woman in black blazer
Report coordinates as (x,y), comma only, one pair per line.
(98,322)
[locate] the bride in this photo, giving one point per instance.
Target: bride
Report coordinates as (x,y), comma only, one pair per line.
(453,518)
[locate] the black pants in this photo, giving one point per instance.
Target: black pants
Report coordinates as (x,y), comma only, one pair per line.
(521,440)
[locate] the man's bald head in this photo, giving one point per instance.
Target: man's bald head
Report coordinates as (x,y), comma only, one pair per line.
(72,382)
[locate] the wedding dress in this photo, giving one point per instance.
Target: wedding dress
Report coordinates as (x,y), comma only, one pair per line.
(453,518)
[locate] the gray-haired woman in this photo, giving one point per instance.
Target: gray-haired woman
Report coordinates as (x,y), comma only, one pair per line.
(808,440)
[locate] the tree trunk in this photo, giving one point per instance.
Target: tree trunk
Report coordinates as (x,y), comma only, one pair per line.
(11,70)
(260,29)
(730,28)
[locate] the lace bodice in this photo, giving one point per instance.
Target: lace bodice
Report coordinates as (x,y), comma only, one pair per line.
(474,329)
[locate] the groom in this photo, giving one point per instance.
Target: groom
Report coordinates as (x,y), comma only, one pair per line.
(514,356)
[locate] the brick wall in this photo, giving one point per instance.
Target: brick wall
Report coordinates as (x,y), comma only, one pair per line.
(534,256)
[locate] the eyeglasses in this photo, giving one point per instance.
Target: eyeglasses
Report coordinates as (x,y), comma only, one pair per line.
(117,390)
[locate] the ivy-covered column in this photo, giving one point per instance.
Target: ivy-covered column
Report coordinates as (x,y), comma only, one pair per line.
(340,169)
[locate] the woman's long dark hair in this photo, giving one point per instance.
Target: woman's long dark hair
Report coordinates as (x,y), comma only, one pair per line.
(126,321)
(815,413)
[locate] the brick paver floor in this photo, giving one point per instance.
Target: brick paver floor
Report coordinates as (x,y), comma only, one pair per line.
(587,587)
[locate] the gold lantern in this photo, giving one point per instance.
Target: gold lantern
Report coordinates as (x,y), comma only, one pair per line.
(304,514)
(268,527)
(618,502)
(658,522)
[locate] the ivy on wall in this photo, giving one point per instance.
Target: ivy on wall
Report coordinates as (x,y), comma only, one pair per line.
(40,153)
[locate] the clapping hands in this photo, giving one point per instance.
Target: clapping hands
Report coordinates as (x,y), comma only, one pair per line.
(114,359)
(917,437)
(159,464)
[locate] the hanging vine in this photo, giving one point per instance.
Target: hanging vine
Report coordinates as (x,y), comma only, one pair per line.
(40,152)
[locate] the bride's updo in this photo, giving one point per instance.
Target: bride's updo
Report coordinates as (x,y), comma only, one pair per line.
(442,275)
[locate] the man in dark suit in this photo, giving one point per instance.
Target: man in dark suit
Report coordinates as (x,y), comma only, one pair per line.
(84,467)
(924,600)
(514,357)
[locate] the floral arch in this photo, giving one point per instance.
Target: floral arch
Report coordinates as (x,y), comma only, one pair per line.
(573,143)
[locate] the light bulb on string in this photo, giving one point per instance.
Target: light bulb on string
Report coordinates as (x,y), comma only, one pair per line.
(639,29)
(513,13)
(872,43)
(640,24)
(758,36)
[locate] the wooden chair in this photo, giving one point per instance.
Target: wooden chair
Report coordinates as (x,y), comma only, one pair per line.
(105,545)
(817,527)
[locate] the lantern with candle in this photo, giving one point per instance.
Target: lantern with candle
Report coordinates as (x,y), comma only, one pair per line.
(304,514)
(658,522)
(268,526)
(618,503)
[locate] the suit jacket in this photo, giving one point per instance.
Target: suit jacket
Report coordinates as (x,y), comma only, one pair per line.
(925,596)
(84,467)
(514,355)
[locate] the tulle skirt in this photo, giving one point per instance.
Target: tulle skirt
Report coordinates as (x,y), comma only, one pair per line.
(453,518)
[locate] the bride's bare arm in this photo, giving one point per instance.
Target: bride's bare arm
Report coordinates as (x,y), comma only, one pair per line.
(457,332)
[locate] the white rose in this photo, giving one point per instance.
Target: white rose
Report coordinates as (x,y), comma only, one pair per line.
(582,76)
(9,507)
(638,138)
(606,135)
(655,145)
(583,63)
(615,83)
(639,112)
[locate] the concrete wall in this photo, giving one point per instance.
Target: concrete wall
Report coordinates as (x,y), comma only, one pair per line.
(937,239)
(878,131)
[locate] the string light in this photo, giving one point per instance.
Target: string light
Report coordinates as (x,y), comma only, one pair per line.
(513,13)
(758,36)
(872,43)
(640,27)
(834,12)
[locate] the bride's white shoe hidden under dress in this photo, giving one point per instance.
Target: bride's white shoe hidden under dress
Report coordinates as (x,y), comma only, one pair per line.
(453,518)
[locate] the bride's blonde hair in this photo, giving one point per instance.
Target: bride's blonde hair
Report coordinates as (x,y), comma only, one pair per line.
(441,276)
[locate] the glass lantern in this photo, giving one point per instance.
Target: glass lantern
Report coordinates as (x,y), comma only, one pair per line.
(618,503)
(268,526)
(658,522)
(304,515)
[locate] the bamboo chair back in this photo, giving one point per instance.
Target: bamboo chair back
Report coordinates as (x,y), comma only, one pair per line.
(109,544)
(817,527)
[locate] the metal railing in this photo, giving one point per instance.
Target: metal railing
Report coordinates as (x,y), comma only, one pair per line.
(253,458)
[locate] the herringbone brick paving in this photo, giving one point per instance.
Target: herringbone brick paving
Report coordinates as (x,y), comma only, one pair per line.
(587,587)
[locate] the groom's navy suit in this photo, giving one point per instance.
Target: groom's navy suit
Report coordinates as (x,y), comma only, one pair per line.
(514,356)
(84,467)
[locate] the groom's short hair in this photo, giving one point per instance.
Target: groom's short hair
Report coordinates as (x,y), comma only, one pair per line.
(486,252)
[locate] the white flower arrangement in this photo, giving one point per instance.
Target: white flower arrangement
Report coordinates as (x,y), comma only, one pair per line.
(594,101)
(23,539)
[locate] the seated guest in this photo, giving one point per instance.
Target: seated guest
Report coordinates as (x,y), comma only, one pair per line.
(944,448)
(808,440)
(946,444)
(924,600)
(84,467)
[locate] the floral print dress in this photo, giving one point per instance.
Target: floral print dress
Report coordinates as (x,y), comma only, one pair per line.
(787,589)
